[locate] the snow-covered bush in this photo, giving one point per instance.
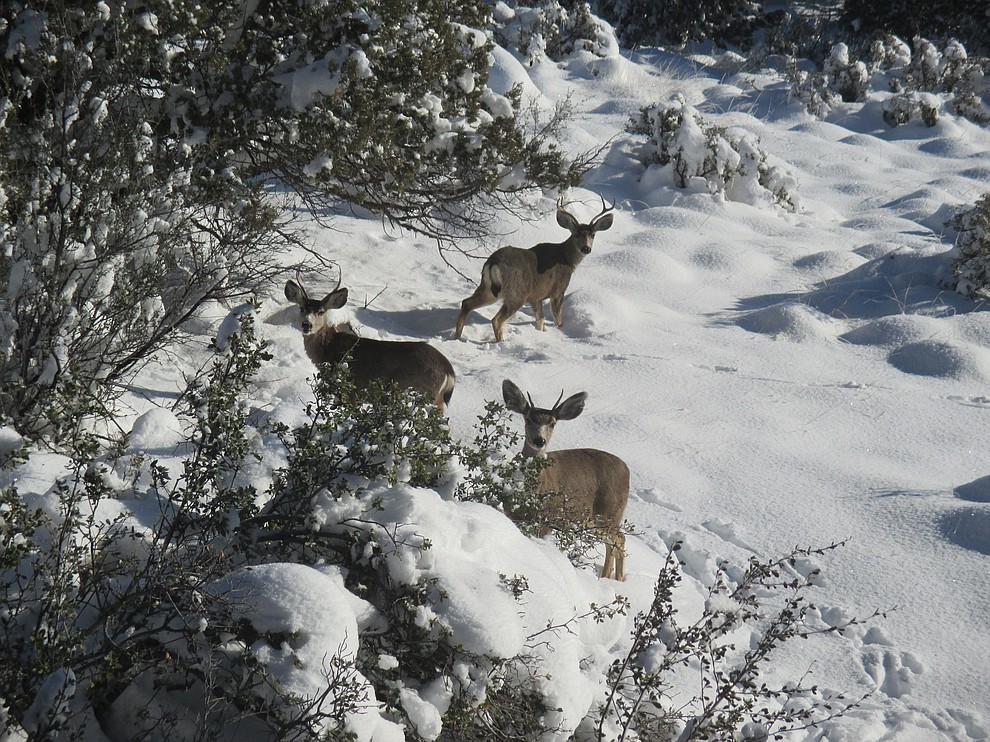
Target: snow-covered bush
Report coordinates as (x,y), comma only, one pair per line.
(889,53)
(905,107)
(114,231)
(842,79)
(547,29)
(921,77)
(971,265)
(732,703)
(848,77)
(810,89)
(968,80)
(102,607)
(310,610)
(709,158)
(966,21)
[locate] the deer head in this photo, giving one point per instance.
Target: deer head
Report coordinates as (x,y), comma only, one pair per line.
(540,422)
(583,235)
(313,312)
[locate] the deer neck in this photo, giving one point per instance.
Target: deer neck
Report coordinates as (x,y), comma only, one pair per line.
(329,345)
(561,257)
(531,452)
(570,254)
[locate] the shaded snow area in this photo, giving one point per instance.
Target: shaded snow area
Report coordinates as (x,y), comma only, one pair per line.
(774,377)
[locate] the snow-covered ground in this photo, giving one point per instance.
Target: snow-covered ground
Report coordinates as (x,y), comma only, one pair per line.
(772,379)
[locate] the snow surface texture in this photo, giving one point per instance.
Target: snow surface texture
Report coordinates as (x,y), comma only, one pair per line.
(772,379)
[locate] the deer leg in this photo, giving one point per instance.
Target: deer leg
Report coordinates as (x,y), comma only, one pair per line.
(609,565)
(537,307)
(620,556)
(557,307)
(615,556)
(482,297)
(501,317)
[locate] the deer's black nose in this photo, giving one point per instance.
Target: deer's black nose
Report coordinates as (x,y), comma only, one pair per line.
(307,326)
(539,442)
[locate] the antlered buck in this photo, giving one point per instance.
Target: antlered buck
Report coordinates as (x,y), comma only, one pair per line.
(520,276)
(591,485)
(409,364)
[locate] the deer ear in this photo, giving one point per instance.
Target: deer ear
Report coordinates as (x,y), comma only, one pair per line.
(602,224)
(294,292)
(514,398)
(570,407)
(567,220)
(334,300)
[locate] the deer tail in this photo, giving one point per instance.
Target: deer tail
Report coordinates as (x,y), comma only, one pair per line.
(493,275)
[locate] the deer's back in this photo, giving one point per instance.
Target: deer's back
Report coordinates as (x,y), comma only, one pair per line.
(410,364)
(590,480)
(531,274)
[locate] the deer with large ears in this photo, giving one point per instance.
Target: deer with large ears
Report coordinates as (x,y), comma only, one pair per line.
(590,484)
(409,364)
(520,276)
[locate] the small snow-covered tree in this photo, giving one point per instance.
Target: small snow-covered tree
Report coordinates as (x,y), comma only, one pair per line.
(810,89)
(849,77)
(971,264)
(116,225)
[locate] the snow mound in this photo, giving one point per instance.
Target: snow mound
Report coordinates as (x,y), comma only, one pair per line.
(928,206)
(794,321)
(828,262)
(595,313)
(968,527)
(976,491)
(646,260)
(890,332)
(941,359)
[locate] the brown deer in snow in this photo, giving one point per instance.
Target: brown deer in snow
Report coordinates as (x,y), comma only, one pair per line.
(519,276)
(410,364)
(592,485)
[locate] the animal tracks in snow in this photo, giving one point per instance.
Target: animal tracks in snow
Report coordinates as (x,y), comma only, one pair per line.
(726,532)
(894,672)
(958,516)
(970,401)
